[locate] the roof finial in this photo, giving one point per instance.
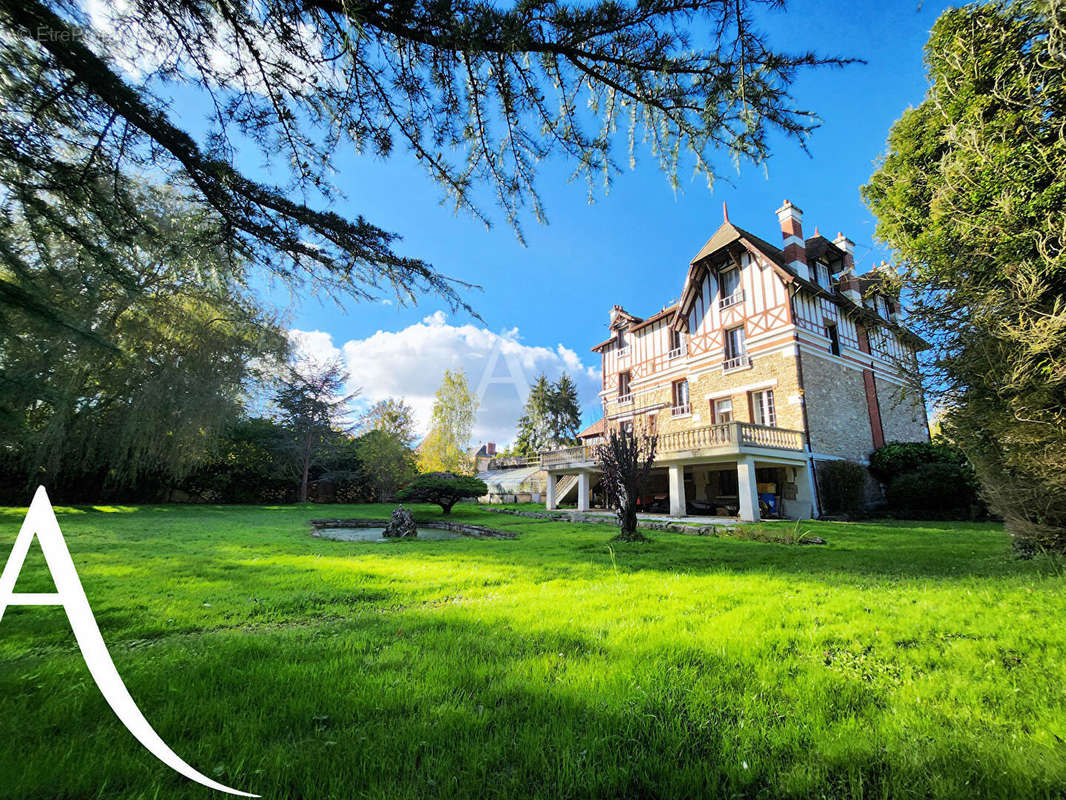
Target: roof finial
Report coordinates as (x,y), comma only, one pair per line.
(725,212)
(816,231)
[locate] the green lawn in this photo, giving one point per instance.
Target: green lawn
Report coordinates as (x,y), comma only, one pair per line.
(900,660)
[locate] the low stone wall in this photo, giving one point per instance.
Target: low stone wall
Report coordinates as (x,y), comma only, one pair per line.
(647,524)
(508,498)
(477,531)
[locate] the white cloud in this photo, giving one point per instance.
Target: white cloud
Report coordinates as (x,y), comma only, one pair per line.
(410,363)
(140,44)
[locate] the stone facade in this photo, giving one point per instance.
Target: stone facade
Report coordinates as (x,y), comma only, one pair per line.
(795,320)
(902,415)
(837,414)
(776,371)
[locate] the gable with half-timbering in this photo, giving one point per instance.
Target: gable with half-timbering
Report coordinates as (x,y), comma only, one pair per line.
(780,338)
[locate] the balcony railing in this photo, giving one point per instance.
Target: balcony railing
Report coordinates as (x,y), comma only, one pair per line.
(731,436)
(677,352)
(732,299)
(737,362)
(624,351)
(511,462)
(738,434)
(571,455)
(625,399)
(768,436)
(681,410)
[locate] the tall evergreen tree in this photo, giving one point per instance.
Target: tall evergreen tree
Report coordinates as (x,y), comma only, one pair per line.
(565,411)
(551,417)
(534,426)
(972,194)
(314,408)
(478,94)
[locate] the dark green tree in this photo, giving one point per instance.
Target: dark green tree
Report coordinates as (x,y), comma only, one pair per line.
(565,411)
(135,362)
(972,195)
(478,94)
(247,465)
(551,417)
(314,407)
(534,426)
(444,489)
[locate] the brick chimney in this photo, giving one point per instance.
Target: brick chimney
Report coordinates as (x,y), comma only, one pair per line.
(848,246)
(848,285)
(791,219)
(490,449)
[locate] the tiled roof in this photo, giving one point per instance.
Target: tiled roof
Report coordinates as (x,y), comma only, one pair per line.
(595,429)
(655,317)
(818,246)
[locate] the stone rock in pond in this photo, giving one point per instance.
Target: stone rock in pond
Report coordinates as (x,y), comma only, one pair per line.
(401,525)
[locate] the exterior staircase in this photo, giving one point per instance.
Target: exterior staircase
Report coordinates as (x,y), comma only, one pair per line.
(564,486)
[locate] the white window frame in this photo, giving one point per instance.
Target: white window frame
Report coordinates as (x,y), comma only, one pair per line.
(719,412)
(737,295)
(735,358)
(681,405)
(678,350)
(822,273)
(762,407)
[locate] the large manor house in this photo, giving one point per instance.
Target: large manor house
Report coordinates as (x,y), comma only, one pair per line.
(775,361)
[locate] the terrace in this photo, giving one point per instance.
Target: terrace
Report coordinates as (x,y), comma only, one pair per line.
(743,446)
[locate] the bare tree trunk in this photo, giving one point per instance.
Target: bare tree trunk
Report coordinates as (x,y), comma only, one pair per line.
(628,519)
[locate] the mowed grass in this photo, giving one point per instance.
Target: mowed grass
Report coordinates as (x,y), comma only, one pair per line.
(902,660)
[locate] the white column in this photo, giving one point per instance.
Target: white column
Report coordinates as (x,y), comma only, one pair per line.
(749,492)
(805,498)
(677,490)
(550,499)
(583,481)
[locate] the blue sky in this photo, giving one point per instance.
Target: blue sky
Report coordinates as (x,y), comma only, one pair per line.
(631,247)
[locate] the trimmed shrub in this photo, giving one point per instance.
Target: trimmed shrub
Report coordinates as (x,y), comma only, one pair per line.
(927,481)
(898,458)
(842,487)
(445,489)
(940,489)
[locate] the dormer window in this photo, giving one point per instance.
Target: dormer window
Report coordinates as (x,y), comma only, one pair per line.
(730,281)
(677,343)
(881,306)
(821,272)
(731,291)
